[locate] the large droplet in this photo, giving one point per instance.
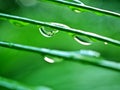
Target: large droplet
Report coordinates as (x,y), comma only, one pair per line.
(18,23)
(48,32)
(82,41)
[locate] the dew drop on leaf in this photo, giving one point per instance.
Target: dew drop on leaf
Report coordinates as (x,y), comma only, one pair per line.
(51,59)
(82,41)
(76,10)
(105,43)
(18,23)
(48,33)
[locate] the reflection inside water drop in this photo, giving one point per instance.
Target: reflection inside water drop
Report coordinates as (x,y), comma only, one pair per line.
(48,33)
(82,40)
(49,60)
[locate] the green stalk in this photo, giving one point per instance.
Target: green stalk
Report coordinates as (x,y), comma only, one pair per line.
(62,28)
(15,85)
(74,56)
(86,7)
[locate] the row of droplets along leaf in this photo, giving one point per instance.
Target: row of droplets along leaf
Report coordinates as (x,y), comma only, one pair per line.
(15,22)
(49,32)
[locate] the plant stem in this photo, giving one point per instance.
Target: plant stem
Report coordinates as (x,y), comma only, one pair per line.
(14,85)
(73,55)
(66,29)
(86,7)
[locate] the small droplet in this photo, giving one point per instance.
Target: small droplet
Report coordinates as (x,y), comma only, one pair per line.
(82,41)
(105,43)
(18,23)
(49,33)
(76,10)
(49,60)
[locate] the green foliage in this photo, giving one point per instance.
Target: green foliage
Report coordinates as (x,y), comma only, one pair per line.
(97,35)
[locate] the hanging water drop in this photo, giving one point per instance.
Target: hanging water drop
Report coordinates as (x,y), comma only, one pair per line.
(49,33)
(82,41)
(49,60)
(76,10)
(105,43)
(18,23)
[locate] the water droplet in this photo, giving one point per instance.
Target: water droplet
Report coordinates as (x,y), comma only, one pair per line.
(82,41)
(76,10)
(51,59)
(47,33)
(18,23)
(78,2)
(105,43)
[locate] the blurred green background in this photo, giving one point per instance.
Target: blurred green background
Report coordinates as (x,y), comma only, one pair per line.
(31,69)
